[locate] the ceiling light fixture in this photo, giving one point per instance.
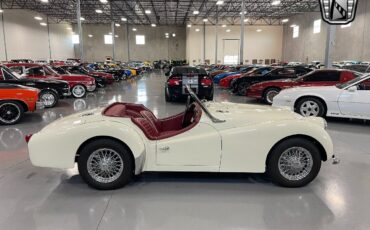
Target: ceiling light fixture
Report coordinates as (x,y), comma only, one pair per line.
(205,20)
(134,29)
(285,20)
(117,25)
(82,18)
(43,24)
(154,25)
(38,18)
(98,11)
(189,25)
(245,12)
(116,36)
(275,2)
(247,19)
(228,30)
(195,12)
(104,1)
(148,11)
(293,25)
(223,25)
(219,2)
(1,10)
(45,1)
(173,35)
(197,30)
(259,30)
(124,19)
(90,35)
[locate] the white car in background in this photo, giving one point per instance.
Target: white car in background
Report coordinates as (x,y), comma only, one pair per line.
(111,145)
(347,100)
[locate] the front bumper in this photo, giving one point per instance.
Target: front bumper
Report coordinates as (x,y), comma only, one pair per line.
(90,88)
(39,105)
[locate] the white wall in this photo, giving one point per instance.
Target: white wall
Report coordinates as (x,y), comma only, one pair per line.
(26,38)
(257,45)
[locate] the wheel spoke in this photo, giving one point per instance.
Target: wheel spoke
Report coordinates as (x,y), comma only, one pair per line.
(295,163)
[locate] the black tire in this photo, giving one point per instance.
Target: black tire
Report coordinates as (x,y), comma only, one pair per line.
(167,97)
(312,111)
(128,166)
(79,95)
(11,112)
(241,89)
(269,94)
(273,162)
(49,98)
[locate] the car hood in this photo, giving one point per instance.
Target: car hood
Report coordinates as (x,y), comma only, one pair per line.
(246,114)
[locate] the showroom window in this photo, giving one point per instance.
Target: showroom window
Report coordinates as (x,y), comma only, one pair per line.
(296,32)
(140,40)
(75,39)
(317,26)
(231,60)
(108,39)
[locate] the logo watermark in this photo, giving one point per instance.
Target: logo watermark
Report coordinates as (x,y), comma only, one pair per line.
(338,12)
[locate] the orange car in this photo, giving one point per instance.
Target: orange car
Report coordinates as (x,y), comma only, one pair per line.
(16,100)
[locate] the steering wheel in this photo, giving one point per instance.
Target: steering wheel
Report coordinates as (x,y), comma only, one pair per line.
(188,115)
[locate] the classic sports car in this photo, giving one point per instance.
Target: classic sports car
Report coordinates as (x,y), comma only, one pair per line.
(79,84)
(111,145)
(350,99)
(50,90)
(221,76)
(240,85)
(269,89)
(181,76)
(16,100)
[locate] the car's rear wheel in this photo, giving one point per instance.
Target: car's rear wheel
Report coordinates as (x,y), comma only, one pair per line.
(105,164)
(78,91)
(269,95)
(242,88)
(49,98)
(294,163)
(10,112)
(310,107)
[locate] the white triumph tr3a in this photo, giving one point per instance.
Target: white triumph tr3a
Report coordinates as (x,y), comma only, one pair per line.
(111,145)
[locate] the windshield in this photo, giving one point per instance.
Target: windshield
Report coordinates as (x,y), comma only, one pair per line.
(50,71)
(8,74)
(353,81)
(201,104)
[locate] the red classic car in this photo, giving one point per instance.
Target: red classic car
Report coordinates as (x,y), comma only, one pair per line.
(16,100)
(79,84)
(269,89)
(225,82)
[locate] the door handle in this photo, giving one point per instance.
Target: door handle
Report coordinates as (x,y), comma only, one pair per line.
(165,148)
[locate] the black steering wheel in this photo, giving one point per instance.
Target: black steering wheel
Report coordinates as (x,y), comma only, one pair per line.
(188,115)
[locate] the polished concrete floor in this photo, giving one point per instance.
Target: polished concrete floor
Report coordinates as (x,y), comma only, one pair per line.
(40,198)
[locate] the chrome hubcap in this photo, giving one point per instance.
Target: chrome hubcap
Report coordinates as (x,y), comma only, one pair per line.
(105,165)
(48,99)
(9,113)
(310,108)
(270,95)
(295,163)
(78,90)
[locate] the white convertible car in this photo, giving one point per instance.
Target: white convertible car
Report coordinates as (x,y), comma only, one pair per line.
(348,100)
(111,145)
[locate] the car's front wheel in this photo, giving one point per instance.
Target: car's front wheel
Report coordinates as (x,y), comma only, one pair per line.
(242,88)
(49,98)
(105,164)
(78,91)
(10,112)
(294,162)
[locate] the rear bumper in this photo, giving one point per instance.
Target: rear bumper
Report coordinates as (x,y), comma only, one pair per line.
(176,92)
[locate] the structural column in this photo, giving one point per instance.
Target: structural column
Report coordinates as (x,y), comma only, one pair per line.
(216,33)
(48,27)
(330,40)
(113,42)
(5,50)
(241,52)
(128,42)
(79,25)
(204,42)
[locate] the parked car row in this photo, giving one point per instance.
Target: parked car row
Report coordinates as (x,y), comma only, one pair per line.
(26,86)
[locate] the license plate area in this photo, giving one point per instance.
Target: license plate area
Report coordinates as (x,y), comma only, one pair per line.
(191,81)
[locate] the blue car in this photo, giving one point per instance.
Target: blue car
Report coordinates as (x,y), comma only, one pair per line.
(220,76)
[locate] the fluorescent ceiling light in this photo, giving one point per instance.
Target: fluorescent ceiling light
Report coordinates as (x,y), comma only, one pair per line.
(247,19)
(82,18)
(195,12)
(148,11)
(219,2)
(117,25)
(154,25)
(1,10)
(110,33)
(43,24)
(223,25)
(285,20)
(245,12)
(104,1)
(45,1)
(173,35)
(259,30)
(275,2)
(124,19)
(116,36)
(293,25)
(98,11)
(228,30)
(38,18)
(69,28)
(134,29)
(90,35)
(189,25)
(205,20)
(197,30)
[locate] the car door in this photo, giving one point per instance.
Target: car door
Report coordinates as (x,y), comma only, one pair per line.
(355,102)
(194,149)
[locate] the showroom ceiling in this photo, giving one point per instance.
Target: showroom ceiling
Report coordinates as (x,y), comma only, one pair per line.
(166,12)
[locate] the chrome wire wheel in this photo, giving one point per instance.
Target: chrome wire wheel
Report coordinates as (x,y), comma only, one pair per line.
(295,163)
(309,108)
(9,113)
(48,99)
(78,91)
(105,165)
